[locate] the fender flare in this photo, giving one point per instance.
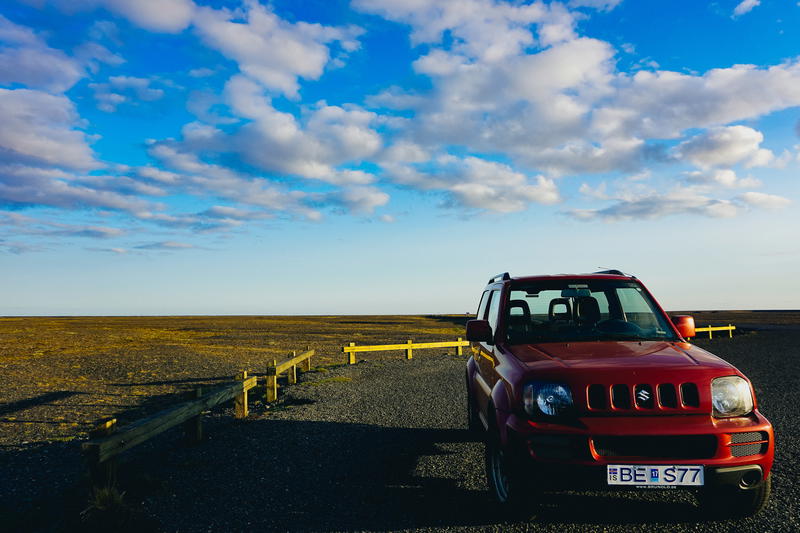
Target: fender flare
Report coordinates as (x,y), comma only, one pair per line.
(472,367)
(502,410)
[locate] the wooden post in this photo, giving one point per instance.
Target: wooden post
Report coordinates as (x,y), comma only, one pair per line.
(351,360)
(730,331)
(291,373)
(459,350)
(193,428)
(409,351)
(308,361)
(709,331)
(240,402)
(271,386)
(103,474)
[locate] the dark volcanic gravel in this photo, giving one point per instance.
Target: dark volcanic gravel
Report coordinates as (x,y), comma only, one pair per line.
(380,446)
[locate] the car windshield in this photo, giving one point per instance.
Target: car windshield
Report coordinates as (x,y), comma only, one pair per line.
(583,310)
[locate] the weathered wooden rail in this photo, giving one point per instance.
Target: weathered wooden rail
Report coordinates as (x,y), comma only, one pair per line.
(290,367)
(409,348)
(729,328)
(107,441)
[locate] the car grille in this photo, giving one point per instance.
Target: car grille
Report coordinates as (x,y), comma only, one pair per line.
(657,447)
(749,443)
(661,397)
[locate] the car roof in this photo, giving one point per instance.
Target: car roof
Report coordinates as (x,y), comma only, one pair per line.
(609,274)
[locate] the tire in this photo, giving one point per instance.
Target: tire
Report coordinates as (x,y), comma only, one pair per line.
(506,475)
(736,503)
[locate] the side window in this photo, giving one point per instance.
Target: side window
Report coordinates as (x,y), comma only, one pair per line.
(482,306)
(494,306)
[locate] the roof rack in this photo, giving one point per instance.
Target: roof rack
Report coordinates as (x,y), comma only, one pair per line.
(615,272)
(500,277)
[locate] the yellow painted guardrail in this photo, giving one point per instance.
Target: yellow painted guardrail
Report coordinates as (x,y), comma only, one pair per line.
(710,329)
(290,367)
(409,347)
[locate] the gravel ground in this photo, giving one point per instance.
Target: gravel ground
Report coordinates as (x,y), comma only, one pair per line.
(380,446)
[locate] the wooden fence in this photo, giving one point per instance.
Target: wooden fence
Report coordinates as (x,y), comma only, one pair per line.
(290,367)
(729,328)
(107,440)
(409,348)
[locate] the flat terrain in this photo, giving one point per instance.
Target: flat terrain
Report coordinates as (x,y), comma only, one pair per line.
(61,375)
(377,446)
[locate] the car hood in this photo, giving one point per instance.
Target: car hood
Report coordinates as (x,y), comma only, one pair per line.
(616,355)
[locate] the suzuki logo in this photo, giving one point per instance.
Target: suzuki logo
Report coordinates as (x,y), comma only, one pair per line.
(643,395)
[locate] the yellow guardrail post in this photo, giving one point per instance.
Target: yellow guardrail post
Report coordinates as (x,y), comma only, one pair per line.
(291,372)
(459,350)
(240,403)
(409,351)
(271,386)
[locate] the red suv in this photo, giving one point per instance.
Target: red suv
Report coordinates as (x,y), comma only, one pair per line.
(584,381)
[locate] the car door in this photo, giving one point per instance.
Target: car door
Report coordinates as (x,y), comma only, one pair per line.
(484,356)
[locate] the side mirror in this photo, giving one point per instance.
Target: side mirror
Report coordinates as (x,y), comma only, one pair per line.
(685,325)
(479,331)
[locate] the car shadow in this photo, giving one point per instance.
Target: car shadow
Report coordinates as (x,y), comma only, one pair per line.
(329,476)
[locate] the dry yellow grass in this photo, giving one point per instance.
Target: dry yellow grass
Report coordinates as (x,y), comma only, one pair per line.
(61,374)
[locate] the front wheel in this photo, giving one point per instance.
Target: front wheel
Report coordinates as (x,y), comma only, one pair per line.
(505,475)
(736,503)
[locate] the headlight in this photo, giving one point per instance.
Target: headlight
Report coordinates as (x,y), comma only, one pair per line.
(552,399)
(731,396)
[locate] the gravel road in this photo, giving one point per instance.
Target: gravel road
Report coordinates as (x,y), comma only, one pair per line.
(380,446)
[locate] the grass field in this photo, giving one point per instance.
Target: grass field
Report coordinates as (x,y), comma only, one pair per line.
(61,374)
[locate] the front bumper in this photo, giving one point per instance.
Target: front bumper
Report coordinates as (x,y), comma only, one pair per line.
(735,452)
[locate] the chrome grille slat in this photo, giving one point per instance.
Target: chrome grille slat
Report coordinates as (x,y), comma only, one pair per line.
(642,396)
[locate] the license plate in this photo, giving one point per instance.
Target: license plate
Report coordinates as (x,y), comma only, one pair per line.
(655,475)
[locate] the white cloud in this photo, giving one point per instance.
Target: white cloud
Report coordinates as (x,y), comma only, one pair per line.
(679,201)
(721,176)
(596,193)
(725,147)
(478,183)
(202,72)
(165,245)
(277,142)
(764,201)
(41,129)
(664,104)
(269,49)
(168,16)
(28,186)
(157,174)
(486,30)
(120,89)
(745,6)
(601,5)
(358,200)
(202,178)
(27,59)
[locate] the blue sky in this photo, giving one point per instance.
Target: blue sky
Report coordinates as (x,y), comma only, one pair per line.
(388,156)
